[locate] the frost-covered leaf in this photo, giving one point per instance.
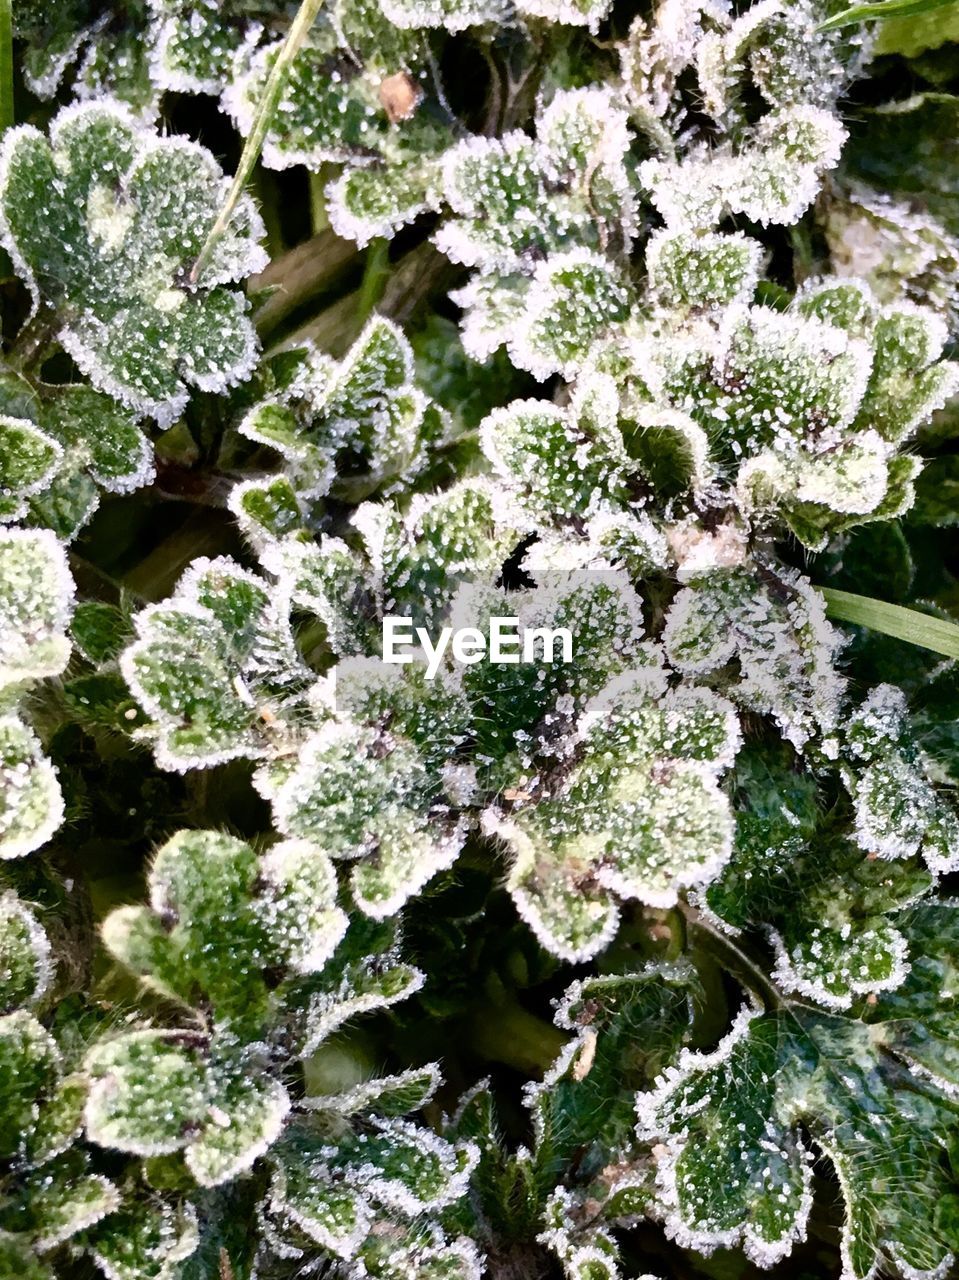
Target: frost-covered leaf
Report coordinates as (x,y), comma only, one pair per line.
(28,461)
(123,215)
(60,1120)
(549,461)
(782,51)
(29,1068)
(775,625)
(144,1241)
(334,113)
(625,1027)
(364,795)
(898,811)
(364,412)
(31,803)
(246,1117)
(383,1095)
(377,200)
(101,447)
(902,251)
(65,1199)
(299,910)
(149,1092)
(772,179)
(210,664)
(734,1162)
(704,270)
(353,1198)
(454,15)
(353,986)
(640,815)
(219,917)
(36,600)
(26,967)
(194,44)
(574,299)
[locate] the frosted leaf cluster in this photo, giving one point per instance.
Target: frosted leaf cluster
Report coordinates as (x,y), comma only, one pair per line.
(700,362)
(104,221)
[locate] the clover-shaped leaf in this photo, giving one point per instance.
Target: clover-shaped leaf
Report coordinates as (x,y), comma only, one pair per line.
(219,916)
(701,270)
(898,811)
(125,214)
(364,412)
(777,628)
(344,115)
(365,796)
(734,1163)
(155,1092)
(31,803)
(64,1199)
(36,599)
(640,814)
(29,1069)
(144,1241)
(26,967)
(207,660)
(338,1195)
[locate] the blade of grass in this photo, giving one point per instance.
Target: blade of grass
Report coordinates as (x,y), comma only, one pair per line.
(893,620)
(6,64)
(6,97)
(305,17)
(882,9)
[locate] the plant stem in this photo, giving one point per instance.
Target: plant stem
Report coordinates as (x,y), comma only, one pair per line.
(310,270)
(6,64)
(375,275)
(733,958)
(319,218)
(305,17)
(893,620)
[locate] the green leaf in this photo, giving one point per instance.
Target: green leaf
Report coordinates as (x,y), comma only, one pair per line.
(36,600)
(925,630)
(777,629)
(28,461)
(26,967)
(881,10)
(149,1093)
(204,936)
(31,803)
(29,1068)
(247,1118)
(123,214)
(64,1200)
(736,1166)
(208,663)
(144,1241)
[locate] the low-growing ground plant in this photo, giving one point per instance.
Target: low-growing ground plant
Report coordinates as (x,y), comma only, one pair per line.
(478,640)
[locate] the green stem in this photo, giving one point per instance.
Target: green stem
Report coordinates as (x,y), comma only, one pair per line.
(318,184)
(732,957)
(305,17)
(375,274)
(6,64)
(503,1031)
(893,620)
